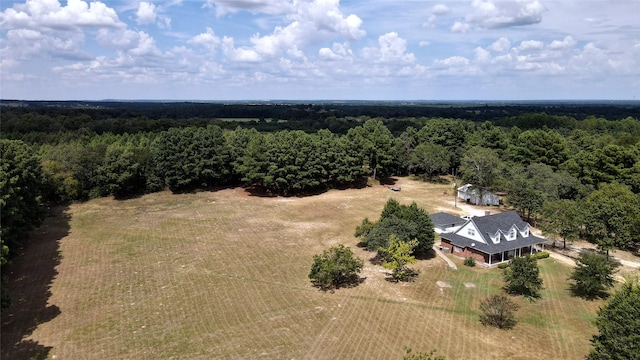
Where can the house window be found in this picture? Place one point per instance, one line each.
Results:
(471, 232)
(457, 249)
(512, 234)
(525, 233)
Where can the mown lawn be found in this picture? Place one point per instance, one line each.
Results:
(224, 275)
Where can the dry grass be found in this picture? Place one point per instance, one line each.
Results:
(224, 275)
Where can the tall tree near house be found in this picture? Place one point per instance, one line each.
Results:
(522, 277)
(397, 256)
(562, 220)
(611, 217)
(593, 275)
(618, 326)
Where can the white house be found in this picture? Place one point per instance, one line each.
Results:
(492, 239)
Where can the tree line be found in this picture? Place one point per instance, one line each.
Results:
(542, 171)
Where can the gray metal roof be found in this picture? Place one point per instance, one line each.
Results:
(446, 219)
(489, 225)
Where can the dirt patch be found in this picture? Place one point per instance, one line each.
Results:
(443, 284)
(469, 285)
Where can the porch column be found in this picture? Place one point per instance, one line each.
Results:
(490, 256)
(502, 256)
(531, 248)
(520, 251)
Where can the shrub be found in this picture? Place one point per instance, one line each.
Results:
(498, 310)
(503, 265)
(470, 261)
(542, 255)
(334, 267)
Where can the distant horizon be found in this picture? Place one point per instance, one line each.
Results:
(266, 101)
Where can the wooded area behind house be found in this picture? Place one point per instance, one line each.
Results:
(546, 158)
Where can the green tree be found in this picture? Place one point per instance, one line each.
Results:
(498, 311)
(612, 216)
(192, 157)
(562, 219)
(397, 256)
(618, 326)
(480, 166)
(539, 146)
(386, 228)
(336, 266)
(593, 275)
(407, 222)
(21, 183)
(430, 159)
(375, 142)
(522, 277)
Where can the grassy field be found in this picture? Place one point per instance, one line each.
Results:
(224, 275)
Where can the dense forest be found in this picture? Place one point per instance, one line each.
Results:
(574, 168)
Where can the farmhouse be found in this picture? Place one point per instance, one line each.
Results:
(445, 222)
(477, 195)
(492, 239)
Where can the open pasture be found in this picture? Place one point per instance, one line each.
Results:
(224, 275)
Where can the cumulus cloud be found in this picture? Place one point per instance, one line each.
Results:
(208, 39)
(337, 52)
(488, 14)
(391, 49)
(146, 13)
(437, 10)
(50, 14)
(312, 21)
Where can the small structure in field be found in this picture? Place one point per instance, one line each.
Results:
(492, 239)
(477, 195)
(445, 222)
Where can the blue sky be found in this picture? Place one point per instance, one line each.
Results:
(320, 49)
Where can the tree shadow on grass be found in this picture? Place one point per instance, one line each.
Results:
(425, 255)
(30, 275)
(578, 291)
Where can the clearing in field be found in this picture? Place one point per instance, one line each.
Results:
(224, 275)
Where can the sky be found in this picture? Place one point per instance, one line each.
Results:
(320, 50)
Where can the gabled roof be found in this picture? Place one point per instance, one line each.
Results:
(443, 218)
(490, 225)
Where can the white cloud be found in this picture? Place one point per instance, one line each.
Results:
(50, 14)
(530, 45)
(128, 43)
(263, 6)
(440, 9)
(391, 49)
(454, 61)
(460, 27)
(312, 21)
(146, 13)
(208, 40)
(501, 45)
(337, 52)
(566, 44)
(488, 14)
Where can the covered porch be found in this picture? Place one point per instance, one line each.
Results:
(504, 256)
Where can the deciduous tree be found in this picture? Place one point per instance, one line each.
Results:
(618, 325)
(498, 311)
(336, 266)
(397, 256)
(522, 277)
(593, 275)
